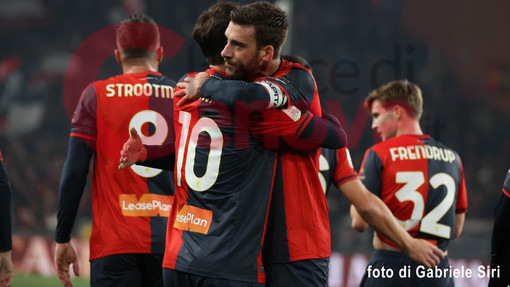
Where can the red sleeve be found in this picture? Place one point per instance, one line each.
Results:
(280, 123)
(344, 170)
(462, 202)
(84, 117)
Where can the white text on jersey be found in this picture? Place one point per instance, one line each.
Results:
(414, 152)
(146, 89)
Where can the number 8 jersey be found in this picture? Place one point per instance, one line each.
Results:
(422, 183)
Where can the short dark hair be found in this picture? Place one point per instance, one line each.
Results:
(270, 22)
(138, 36)
(209, 31)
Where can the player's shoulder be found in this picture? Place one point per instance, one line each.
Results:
(433, 142)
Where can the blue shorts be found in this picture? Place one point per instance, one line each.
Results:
(305, 273)
(390, 268)
(174, 278)
(127, 270)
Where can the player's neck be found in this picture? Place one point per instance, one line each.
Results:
(411, 127)
(139, 67)
(218, 67)
(268, 69)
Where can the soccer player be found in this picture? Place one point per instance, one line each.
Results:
(500, 251)
(419, 179)
(130, 208)
(224, 179)
(5, 227)
(297, 243)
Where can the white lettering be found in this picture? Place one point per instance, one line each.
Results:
(119, 89)
(189, 217)
(410, 152)
(138, 90)
(422, 151)
(111, 91)
(128, 90)
(147, 89)
(393, 152)
(402, 152)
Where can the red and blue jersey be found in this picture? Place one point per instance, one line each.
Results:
(130, 207)
(422, 183)
(224, 181)
(5, 209)
(335, 166)
(298, 225)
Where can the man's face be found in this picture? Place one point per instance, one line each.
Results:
(242, 58)
(384, 120)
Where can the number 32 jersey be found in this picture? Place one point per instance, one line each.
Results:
(422, 183)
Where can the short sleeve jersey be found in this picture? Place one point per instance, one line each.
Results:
(422, 183)
(335, 167)
(224, 179)
(130, 207)
(5, 209)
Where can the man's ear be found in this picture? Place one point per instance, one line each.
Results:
(267, 52)
(159, 51)
(399, 111)
(117, 56)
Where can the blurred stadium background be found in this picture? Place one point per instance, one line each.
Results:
(455, 50)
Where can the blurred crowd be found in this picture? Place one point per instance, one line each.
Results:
(353, 46)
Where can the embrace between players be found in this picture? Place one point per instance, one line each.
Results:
(242, 143)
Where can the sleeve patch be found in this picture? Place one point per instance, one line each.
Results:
(293, 113)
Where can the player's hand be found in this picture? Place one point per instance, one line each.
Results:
(65, 255)
(190, 88)
(133, 150)
(5, 269)
(425, 253)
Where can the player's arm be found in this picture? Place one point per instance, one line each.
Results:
(298, 89)
(157, 156)
(6, 267)
(298, 130)
(368, 209)
(81, 148)
(459, 224)
(461, 205)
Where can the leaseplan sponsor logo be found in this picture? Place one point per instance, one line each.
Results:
(194, 219)
(148, 205)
